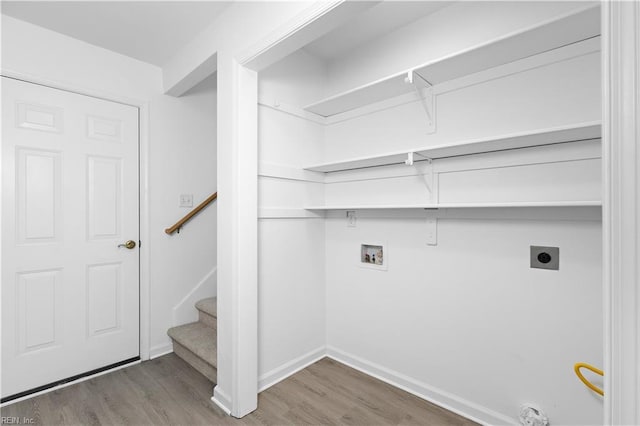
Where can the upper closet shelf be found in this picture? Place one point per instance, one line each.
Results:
(561, 31)
(582, 131)
(475, 205)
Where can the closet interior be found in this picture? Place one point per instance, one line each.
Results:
(414, 164)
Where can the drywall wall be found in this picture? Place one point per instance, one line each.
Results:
(498, 102)
(184, 164)
(182, 151)
(467, 323)
(257, 20)
(291, 290)
(454, 28)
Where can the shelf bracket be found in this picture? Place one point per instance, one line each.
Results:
(431, 227)
(411, 158)
(428, 173)
(424, 90)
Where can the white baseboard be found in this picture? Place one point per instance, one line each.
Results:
(160, 350)
(221, 400)
(451, 402)
(277, 375)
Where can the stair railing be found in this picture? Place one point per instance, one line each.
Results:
(176, 227)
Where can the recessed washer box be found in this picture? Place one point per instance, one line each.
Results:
(543, 257)
(373, 256)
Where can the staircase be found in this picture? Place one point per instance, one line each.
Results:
(196, 342)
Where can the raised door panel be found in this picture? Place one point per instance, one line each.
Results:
(39, 212)
(39, 117)
(104, 197)
(39, 309)
(104, 295)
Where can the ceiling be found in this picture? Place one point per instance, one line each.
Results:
(151, 31)
(375, 22)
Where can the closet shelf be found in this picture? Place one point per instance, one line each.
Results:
(573, 27)
(463, 205)
(573, 133)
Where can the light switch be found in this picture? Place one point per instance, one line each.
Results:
(186, 200)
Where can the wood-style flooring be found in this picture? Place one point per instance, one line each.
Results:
(167, 391)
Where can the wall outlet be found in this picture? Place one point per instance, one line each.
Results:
(186, 200)
(545, 257)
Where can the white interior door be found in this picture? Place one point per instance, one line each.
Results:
(70, 294)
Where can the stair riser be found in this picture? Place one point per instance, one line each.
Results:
(207, 319)
(195, 361)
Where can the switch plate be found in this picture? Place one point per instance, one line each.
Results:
(545, 257)
(186, 200)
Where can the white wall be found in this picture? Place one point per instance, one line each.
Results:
(182, 150)
(184, 163)
(455, 28)
(467, 322)
(291, 291)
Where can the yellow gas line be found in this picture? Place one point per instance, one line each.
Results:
(586, 382)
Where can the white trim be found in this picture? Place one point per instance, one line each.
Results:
(160, 350)
(278, 171)
(567, 213)
(74, 382)
(193, 78)
(238, 85)
(143, 128)
(145, 261)
(292, 110)
(290, 368)
(287, 213)
(185, 311)
(441, 398)
(244, 298)
(621, 212)
(299, 31)
(221, 400)
(474, 205)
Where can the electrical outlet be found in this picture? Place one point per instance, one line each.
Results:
(545, 257)
(186, 200)
(351, 218)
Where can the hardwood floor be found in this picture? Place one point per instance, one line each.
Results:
(167, 391)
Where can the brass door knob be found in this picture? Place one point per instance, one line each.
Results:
(129, 244)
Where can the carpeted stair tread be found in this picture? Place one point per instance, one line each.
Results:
(199, 339)
(208, 306)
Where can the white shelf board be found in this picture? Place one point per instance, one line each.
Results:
(463, 205)
(563, 30)
(571, 133)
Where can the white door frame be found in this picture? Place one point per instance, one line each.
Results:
(237, 389)
(621, 210)
(143, 129)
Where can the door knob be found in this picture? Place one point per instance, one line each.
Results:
(129, 244)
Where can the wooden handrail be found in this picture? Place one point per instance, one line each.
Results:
(191, 214)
